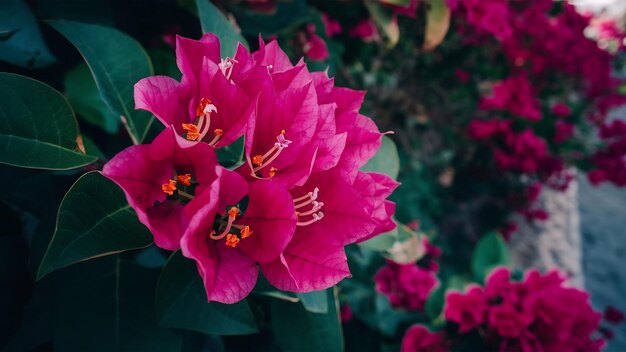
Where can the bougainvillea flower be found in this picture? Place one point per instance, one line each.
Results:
(315, 47)
(331, 214)
(419, 339)
(227, 242)
(332, 27)
(469, 310)
(167, 183)
(514, 94)
(405, 285)
(362, 137)
(206, 105)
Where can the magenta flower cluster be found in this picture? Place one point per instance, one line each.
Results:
(558, 88)
(408, 285)
(539, 313)
(297, 199)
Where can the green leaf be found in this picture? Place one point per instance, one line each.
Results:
(212, 20)
(181, 302)
(117, 62)
(91, 148)
(383, 16)
(7, 34)
(21, 42)
(315, 301)
(94, 220)
(83, 94)
(404, 3)
(386, 161)
(490, 252)
(437, 23)
(231, 156)
(434, 303)
(297, 329)
(37, 127)
(287, 17)
(108, 305)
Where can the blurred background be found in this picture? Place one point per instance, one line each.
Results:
(509, 118)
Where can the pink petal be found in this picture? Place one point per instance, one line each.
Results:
(191, 53)
(271, 217)
(362, 143)
(307, 264)
(228, 275)
(272, 54)
(141, 178)
(165, 98)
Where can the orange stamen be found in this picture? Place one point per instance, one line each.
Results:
(218, 132)
(232, 240)
(192, 131)
(246, 232)
(257, 160)
(169, 187)
(233, 212)
(272, 171)
(184, 179)
(200, 109)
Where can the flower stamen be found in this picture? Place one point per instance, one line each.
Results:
(226, 66)
(218, 132)
(169, 187)
(262, 161)
(245, 232)
(232, 215)
(316, 217)
(232, 240)
(196, 132)
(192, 131)
(309, 198)
(184, 179)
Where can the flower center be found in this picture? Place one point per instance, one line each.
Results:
(260, 162)
(233, 233)
(197, 131)
(171, 186)
(313, 212)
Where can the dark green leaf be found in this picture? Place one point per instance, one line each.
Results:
(384, 17)
(181, 303)
(83, 94)
(108, 305)
(490, 252)
(297, 329)
(164, 62)
(94, 220)
(386, 161)
(434, 303)
(117, 62)
(37, 127)
(315, 302)
(287, 17)
(7, 34)
(21, 43)
(92, 149)
(212, 20)
(231, 156)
